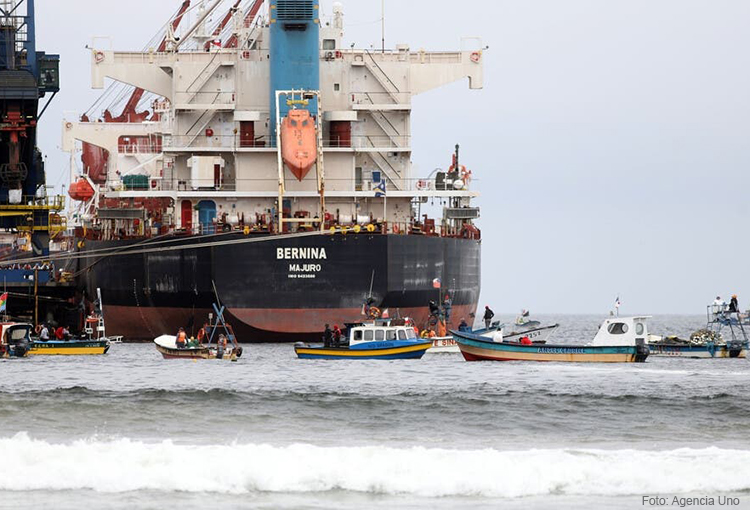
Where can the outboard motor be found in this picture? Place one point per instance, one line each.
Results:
(641, 350)
(21, 349)
(734, 349)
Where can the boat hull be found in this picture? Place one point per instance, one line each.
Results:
(69, 348)
(414, 351)
(473, 348)
(691, 351)
(201, 353)
(279, 289)
(443, 345)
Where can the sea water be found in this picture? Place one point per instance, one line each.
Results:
(131, 430)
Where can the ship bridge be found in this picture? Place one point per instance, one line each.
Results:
(210, 133)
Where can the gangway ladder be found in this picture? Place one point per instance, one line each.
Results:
(294, 98)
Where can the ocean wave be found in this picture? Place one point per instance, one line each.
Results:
(128, 465)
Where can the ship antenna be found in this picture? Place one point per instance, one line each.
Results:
(382, 23)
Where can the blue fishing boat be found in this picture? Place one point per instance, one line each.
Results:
(370, 341)
(619, 340)
(708, 342)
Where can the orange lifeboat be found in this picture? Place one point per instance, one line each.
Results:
(81, 190)
(298, 142)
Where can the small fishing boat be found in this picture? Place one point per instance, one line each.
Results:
(220, 342)
(531, 330)
(15, 340)
(619, 340)
(524, 327)
(167, 346)
(74, 346)
(675, 347)
(707, 342)
(371, 341)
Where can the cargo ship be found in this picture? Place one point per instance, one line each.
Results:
(259, 163)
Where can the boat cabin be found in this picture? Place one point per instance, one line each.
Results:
(14, 333)
(364, 333)
(625, 331)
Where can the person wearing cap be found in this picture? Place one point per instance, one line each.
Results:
(488, 315)
(733, 304)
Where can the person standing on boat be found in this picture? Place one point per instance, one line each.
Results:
(734, 306)
(221, 346)
(447, 306)
(488, 315)
(336, 336)
(719, 305)
(327, 336)
(463, 326)
(44, 333)
(181, 339)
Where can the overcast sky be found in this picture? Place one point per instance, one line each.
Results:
(611, 140)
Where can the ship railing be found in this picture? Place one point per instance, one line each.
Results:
(211, 140)
(53, 202)
(186, 98)
(380, 98)
(366, 184)
(421, 56)
(374, 226)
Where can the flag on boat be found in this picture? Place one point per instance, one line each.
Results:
(617, 302)
(386, 314)
(436, 283)
(380, 189)
(3, 301)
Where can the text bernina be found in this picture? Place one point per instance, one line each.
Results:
(300, 253)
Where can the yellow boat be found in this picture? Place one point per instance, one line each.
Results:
(69, 347)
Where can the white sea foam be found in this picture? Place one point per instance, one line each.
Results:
(129, 465)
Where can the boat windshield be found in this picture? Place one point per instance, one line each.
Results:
(17, 333)
(390, 334)
(410, 334)
(401, 334)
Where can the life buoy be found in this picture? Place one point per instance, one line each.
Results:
(374, 312)
(371, 228)
(357, 229)
(422, 184)
(476, 57)
(344, 230)
(201, 334)
(332, 230)
(99, 57)
(38, 329)
(396, 229)
(246, 230)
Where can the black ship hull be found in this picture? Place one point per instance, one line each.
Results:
(276, 288)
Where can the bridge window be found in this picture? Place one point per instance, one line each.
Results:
(401, 334)
(357, 334)
(617, 328)
(379, 334)
(368, 335)
(639, 328)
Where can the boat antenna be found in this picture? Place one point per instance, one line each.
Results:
(382, 24)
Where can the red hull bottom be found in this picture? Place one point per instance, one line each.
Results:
(251, 325)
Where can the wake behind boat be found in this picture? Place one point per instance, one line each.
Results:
(619, 340)
(370, 341)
